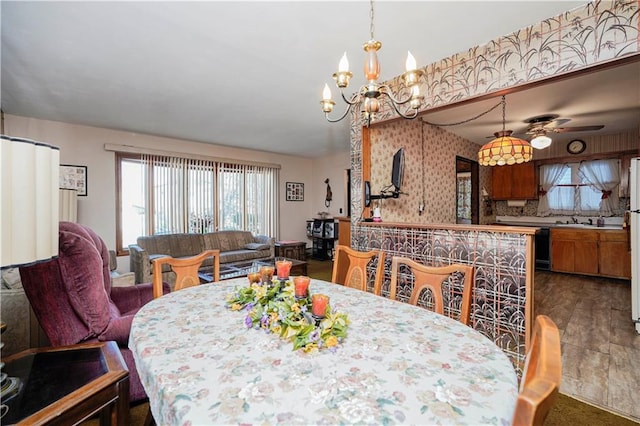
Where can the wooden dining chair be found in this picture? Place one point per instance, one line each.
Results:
(542, 374)
(350, 268)
(186, 270)
(432, 278)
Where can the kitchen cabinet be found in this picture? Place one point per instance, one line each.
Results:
(615, 256)
(516, 182)
(591, 252)
(344, 231)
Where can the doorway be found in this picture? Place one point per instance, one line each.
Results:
(467, 191)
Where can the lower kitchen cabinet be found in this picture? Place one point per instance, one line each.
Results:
(591, 252)
(615, 258)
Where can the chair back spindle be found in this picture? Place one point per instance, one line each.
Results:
(432, 278)
(186, 270)
(350, 268)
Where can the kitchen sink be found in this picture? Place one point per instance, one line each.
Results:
(586, 226)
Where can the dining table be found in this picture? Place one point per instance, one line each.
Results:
(200, 364)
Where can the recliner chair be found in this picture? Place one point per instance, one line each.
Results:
(74, 300)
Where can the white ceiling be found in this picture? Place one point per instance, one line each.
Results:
(609, 97)
(244, 74)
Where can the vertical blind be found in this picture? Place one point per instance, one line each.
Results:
(189, 195)
(247, 198)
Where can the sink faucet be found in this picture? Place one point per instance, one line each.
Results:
(590, 221)
(574, 219)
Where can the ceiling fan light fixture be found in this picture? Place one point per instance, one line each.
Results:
(541, 141)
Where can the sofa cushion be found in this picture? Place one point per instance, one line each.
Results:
(241, 255)
(257, 246)
(228, 240)
(174, 245)
(81, 265)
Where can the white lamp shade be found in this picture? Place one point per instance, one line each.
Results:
(29, 197)
(68, 205)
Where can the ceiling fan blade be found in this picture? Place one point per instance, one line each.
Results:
(560, 121)
(576, 129)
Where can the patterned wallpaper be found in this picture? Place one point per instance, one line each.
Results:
(436, 175)
(589, 35)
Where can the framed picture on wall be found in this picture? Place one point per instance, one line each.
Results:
(74, 177)
(295, 191)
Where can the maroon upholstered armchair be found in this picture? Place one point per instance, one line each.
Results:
(73, 299)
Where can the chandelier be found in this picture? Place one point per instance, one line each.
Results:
(370, 96)
(505, 149)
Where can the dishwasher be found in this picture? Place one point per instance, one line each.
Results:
(543, 249)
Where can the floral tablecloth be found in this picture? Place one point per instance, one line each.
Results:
(399, 364)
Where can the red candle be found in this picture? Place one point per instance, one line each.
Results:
(319, 304)
(283, 267)
(301, 286)
(254, 277)
(266, 272)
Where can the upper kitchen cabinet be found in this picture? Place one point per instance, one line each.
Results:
(516, 182)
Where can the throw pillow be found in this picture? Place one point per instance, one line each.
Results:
(11, 278)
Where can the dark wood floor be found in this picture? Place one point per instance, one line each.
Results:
(600, 348)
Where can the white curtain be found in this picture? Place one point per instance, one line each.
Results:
(550, 175)
(603, 176)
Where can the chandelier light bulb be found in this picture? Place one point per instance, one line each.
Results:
(410, 64)
(343, 66)
(326, 93)
(373, 96)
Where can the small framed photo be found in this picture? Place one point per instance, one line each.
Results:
(74, 177)
(295, 191)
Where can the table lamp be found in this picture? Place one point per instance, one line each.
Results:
(29, 200)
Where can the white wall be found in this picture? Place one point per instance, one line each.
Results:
(332, 167)
(84, 145)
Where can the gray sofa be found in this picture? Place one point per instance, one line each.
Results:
(234, 246)
(23, 330)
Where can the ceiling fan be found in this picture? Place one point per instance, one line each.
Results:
(540, 125)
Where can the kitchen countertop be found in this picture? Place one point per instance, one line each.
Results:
(559, 225)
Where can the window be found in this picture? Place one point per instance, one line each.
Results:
(581, 188)
(162, 195)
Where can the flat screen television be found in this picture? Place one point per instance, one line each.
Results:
(397, 171)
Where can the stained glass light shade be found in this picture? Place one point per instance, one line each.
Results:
(505, 150)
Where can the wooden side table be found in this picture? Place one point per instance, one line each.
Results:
(69, 384)
(291, 249)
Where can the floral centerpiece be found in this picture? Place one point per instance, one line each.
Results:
(275, 309)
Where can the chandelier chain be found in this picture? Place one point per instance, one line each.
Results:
(475, 117)
(371, 19)
(504, 113)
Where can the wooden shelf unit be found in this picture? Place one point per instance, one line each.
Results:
(323, 233)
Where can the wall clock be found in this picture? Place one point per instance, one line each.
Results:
(576, 146)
